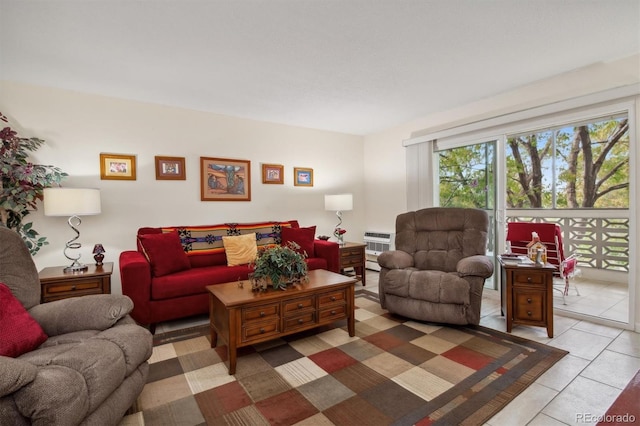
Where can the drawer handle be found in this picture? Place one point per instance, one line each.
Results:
(529, 300)
(73, 287)
(262, 313)
(261, 330)
(300, 321)
(528, 279)
(333, 312)
(300, 306)
(529, 313)
(333, 298)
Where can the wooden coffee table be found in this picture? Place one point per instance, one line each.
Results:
(242, 317)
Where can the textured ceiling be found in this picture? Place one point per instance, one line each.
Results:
(353, 66)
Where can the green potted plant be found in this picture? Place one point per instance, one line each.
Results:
(279, 265)
(22, 184)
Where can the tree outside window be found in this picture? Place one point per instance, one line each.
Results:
(580, 165)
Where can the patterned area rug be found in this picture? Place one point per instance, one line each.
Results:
(393, 372)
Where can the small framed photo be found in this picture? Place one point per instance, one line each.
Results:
(273, 173)
(225, 179)
(302, 176)
(117, 166)
(170, 168)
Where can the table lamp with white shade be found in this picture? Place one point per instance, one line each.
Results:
(72, 202)
(338, 203)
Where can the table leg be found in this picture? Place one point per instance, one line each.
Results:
(214, 335)
(351, 321)
(233, 353)
(362, 272)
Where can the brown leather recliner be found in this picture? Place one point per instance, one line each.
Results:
(438, 268)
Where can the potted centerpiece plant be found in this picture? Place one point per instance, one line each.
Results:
(278, 265)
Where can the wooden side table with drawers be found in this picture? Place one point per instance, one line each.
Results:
(56, 284)
(527, 295)
(352, 255)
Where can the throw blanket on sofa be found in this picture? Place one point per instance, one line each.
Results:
(200, 240)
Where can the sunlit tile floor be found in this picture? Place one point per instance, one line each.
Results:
(580, 387)
(598, 298)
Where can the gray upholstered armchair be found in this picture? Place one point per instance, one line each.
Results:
(438, 269)
(87, 360)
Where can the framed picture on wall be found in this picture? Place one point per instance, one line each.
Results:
(302, 176)
(273, 173)
(170, 168)
(117, 166)
(225, 179)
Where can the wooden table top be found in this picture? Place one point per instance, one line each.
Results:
(230, 294)
(57, 272)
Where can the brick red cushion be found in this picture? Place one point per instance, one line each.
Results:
(19, 332)
(302, 236)
(164, 252)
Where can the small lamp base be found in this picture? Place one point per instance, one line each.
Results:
(75, 268)
(99, 258)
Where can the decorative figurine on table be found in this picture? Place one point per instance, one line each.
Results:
(98, 254)
(339, 234)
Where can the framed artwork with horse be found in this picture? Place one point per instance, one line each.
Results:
(225, 179)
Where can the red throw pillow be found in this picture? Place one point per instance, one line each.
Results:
(19, 332)
(302, 236)
(164, 252)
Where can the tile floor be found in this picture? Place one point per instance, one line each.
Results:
(598, 298)
(582, 386)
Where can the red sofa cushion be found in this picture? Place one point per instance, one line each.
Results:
(164, 252)
(195, 280)
(19, 332)
(304, 237)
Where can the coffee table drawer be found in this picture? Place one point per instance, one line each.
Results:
(332, 298)
(260, 313)
(333, 313)
(260, 331)
(299, 321)
(296, 305)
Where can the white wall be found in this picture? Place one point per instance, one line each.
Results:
(78, 127)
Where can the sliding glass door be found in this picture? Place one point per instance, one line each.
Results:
(466, 178)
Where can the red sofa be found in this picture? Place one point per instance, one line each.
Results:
(166, 279)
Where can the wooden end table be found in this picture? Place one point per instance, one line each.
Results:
(352, 255)
(56, 284)
(241, 317)
(526, 295)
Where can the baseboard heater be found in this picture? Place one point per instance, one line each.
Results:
(377, 242)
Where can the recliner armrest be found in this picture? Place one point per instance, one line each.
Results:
(395, 259)
(15, 374)
(478, 265)
(93, 312)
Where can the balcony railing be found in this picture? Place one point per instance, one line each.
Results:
(600, 238)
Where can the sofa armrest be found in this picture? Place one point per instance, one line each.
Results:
(93, 312)
(395, 259)
(15, 374)
(135, 278)
(478, 265)
(329, 251)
